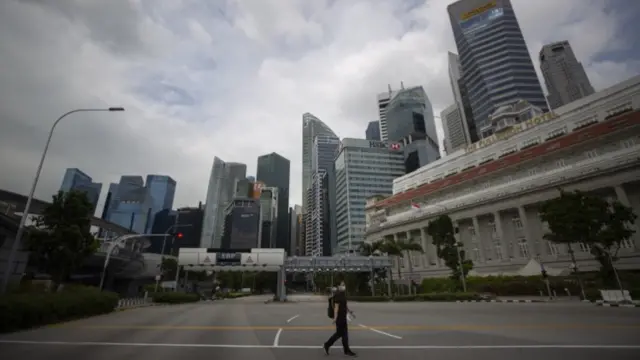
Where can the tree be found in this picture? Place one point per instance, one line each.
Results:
(575, 217)
(442, 232)
(616, 230)
(168, 267)
(60, 239)
(410, 245)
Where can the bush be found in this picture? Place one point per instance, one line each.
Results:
(174, 297)
(24, 311)
(235, 295)
(436, 296)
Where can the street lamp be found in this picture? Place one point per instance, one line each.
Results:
(27, 206)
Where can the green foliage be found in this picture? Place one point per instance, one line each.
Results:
(444, 296)
(27, 310)
(60, 241)
(174, 297)
(168, 267)
(442, 232)
(576, 217)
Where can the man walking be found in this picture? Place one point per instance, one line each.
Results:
(340, 311)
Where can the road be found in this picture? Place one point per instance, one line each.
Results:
(249, 328)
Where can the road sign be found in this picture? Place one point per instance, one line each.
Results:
(158, 277)
(249, 260)
(206, 260)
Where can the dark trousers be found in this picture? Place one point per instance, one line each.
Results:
(341, 332)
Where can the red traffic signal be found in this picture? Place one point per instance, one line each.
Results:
(179, 235)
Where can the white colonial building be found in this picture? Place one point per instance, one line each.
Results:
(493, 188)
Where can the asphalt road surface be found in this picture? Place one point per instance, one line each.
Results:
(250, 329)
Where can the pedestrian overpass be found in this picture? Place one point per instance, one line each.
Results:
(276, 260)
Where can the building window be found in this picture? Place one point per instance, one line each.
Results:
(517, 223)
(494, 229)
(592, 153)
(497, 245)
(552, 249)
(533, 171)
(524, 247)
(586, 248)
(472, 231)
(627, 143)
(560, 163)
(625, 244)
(476, 251)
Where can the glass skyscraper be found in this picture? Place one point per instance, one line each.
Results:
(495, 63)
(364, 168)
(274, 171)
(162, 190)
(311, 127)
(74, 179)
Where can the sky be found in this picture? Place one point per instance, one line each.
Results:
(232, 78)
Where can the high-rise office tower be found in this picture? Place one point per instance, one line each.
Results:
(132, 205)
(364, 168)
(563, 74)
(323, 154)
(311, 127)
(274, 171)
(383, 100)
(220, 192)
(409, 118)
(162, 190)
(268, 217)
(295, 214)
(495, 63)
(74, 179)
(465, 129)
(453, 126)
(241, 228)
(373, 131)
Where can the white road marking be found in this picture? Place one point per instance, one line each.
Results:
(276, 340)
(392, 347)
(292, 318)
(381, 332)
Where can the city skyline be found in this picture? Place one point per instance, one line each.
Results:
(197, 133)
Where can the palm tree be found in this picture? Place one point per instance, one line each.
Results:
(410, 245)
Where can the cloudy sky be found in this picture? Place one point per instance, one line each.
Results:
(232, 78)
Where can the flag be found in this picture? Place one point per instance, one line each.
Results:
(415, 206)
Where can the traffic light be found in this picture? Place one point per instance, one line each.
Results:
(179, 235)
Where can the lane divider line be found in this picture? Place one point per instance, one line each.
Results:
(276, 340)
(381, 347)
(381, 332)
(292, 318)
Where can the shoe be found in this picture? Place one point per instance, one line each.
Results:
(326, 349)
(351, 353)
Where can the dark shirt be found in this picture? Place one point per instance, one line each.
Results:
(341, 300)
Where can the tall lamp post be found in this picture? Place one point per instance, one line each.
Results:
(25, 213)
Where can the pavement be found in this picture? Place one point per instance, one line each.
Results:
(249, 328)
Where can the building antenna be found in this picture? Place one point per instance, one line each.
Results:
(402, 85)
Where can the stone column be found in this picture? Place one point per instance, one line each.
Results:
(476, 229)
(504, 244)
(425, 247)
(533, 249)
(621, 194)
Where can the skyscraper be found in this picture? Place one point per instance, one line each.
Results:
(563, 74)
(220, 192)
(74, 179)
(311, 127)
(162, 190)
(241, 228)
(132, 205)
(274, 171)
(373, 131)
(466, 123)
(453, 127)
(364, 168)
(383, 101)
(495, 63)
(325, 148)
(410, 120)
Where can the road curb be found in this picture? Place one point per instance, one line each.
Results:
(618, 305)
(502, 301)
